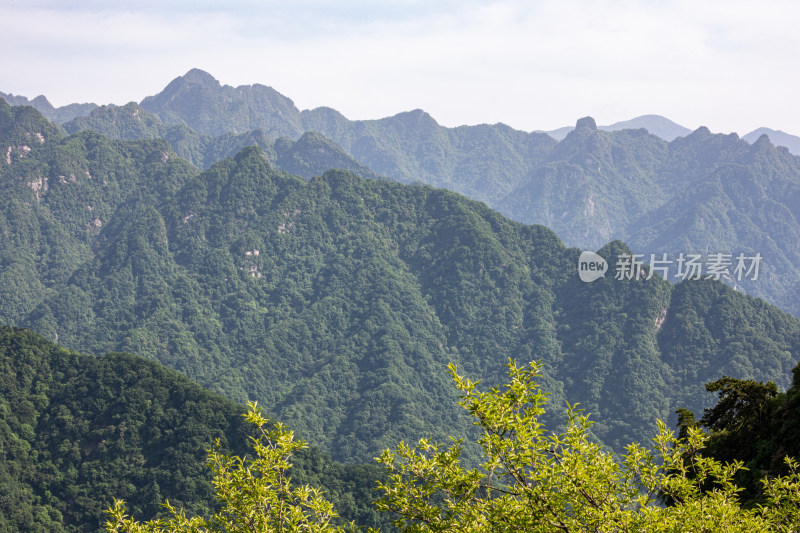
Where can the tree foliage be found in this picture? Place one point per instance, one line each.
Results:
(534, 480)
(256, 494)
(752, 422)
(530, 480)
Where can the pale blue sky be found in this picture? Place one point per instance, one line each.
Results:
(729, 65)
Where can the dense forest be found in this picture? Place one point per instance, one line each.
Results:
(337, 302)
(78, 430)
(753, 422)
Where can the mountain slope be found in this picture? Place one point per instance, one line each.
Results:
(79, 430)
(621, 184)
(484, 162)
(702, 193)
(580, 189)
(480, 161)
(655, 124)
(202, 103)
(731, 197)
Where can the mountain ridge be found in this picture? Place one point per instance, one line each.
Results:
(657, 125)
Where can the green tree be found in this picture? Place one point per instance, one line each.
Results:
(532, 480)
(256, 494)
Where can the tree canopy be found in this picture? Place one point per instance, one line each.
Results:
(531, 480)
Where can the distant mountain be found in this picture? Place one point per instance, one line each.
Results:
(481, 161)
(485, 161)
(337, 302)
(43, 106)
(778, 138)
(202, 103)
(557, 134)
(77, 431)
(311, 155)
(702, 193)
(580, 188)
(128, 122)
(655, 124)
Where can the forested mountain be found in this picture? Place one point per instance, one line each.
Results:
(699, 193)
(481, 161)
(202, 103)
(338, 302)
(755, 423)
(702, 193)
(77, 430)
(655, 124)
(310, 155)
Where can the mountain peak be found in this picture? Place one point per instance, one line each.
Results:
(201, 77)
(762, 140)
(654, 124)
(776, 137)
(702, 131)
(251, 152)
(416, 115)
(199, 101)
(41, 102)
(762, 145)
(586, 123)
(416, 119)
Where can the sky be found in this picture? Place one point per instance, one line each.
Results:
(534, 65)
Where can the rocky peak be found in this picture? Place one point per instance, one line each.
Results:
(587, 123)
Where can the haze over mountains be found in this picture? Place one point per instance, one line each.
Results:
(673, 192)
(655, 124)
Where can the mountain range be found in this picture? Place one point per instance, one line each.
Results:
(656, 124)
(676, 192)
(338, 301)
